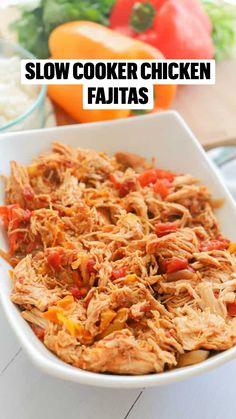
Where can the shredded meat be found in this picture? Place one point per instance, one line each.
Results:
(118, 267)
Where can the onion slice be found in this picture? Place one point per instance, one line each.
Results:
(193, 357)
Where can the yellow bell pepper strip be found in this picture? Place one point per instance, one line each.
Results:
(65, 302)
(117, 324)
(232, 248)
(88, 40)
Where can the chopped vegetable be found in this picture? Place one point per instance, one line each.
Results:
(28, 193)
(165, 174)
(175, 264)
(232, 248)
(106, 318)
(7, 214)
(115, 181)
(231, 307)
(91, 266)
(193, 357)
(165, 228)
(39, 331)
(118, 322)
(151, 176)
(220, 244)
(78, 292)
(65, 302)
(148, 177)
(119, 273)
(126, 187)
(51, 315)
(54, 259)
(162, 187)
(70, 325)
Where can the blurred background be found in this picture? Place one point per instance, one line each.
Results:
(204, 29)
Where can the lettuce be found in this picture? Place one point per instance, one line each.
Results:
(223, 18)
(34, 26)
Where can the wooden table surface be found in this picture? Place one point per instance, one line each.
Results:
(210, 111)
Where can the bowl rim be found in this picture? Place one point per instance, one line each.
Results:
(41, 95)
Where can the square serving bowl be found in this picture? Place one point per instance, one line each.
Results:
(164, 136)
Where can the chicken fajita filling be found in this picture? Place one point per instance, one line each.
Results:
(119, 266)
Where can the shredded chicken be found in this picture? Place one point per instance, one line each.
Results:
(118, 267)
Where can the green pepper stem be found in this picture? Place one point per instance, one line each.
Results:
(142, 16)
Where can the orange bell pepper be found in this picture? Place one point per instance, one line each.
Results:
(88, 40)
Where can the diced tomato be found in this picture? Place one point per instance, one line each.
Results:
(78, 292)
(26, 215)
(115, 181)
(7, 213)
(174, 265)
(145, 308)
(13, 240)
(216, 294)
(165, 174)
(162, 187)
(28, 193)
(4, 215)
(21, 280)
(119, 273)
(90, 266)
(220, 244)
(39, 331)
(77, 279)
(165, 228)
(54, 259)
(31, 246)
(13, 218)
(61, 213)
(147, 177)
(74, 291)
(124, 187)
(231, 307)
(151, 176)
(127, 186)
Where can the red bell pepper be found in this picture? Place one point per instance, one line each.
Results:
(162, 187)
(173, 265)
(165, 228)
(180, 29)
(151, 176)
(55, 259)
(119, 273)
(231, 308)
(91, 266)
(217, 244)
(78, 292)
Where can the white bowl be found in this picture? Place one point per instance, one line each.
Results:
(164, 136)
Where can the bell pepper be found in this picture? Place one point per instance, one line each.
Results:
(151, 176)
(175, 264)
(89, 40)
(165, 228)
(231, 308)
(180, 29)
(119, 273)
(215, 244)
(54, 259)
